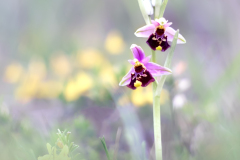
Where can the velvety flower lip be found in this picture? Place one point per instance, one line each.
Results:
(158, 43)
(143, 71)
(156, 25)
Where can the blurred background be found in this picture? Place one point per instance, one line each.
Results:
(61, 62)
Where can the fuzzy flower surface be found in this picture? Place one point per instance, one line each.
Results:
(143, 71)
(158, 34)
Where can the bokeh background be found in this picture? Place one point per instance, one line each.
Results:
(61, 62)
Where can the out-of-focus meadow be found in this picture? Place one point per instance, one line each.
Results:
(61, 62)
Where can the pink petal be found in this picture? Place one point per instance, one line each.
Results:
(146, 59)
(127, 78)
(167, 24)
(157, 70)
(131, 61)
(170, 32)
(155, 23)
(137, 52)
(145, 31)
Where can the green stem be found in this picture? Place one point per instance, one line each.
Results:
(156, 118)
(153, 56)
(157, 88)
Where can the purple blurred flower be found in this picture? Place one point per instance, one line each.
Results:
(159, 33)
(143, 71)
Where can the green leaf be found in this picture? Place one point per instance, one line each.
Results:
(157, 8)
(105, 147)
(49, 148)
(143, 10)
(64, 151)
(54, 156)
(163, 6)
(168, 62)
(172, 49)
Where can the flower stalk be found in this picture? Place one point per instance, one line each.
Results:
(157, 123)
(156, 116)
(141, 74)
(157, 88)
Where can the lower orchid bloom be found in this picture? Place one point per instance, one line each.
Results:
(143, 71)
(159, 33)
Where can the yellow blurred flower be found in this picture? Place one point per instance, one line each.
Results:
(107, 76)
(142, 96)
(33, 87)
(13, 72)
(31, 81)
(78, 85)
(37, 69)
(28, 88)
(49, 89)
(61, 65)
(138, 97)
(90, 58)
(114, 43)
(164, 96)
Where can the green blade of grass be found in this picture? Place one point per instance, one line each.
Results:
(105, 147)
(163, 6)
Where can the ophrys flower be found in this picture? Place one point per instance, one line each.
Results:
(143, 71)
(159, 33)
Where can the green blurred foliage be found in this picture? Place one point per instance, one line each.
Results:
(63, 155)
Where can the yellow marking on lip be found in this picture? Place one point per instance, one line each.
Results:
(137, 84)
(161, 27)
(137, 63)
(159, 48)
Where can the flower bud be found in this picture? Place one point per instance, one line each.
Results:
(60, 144)
(148, 7)
(153, 3)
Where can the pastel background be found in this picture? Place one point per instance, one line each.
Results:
(61, 62)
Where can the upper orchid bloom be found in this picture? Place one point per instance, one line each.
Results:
(143, 71)
(158, 33)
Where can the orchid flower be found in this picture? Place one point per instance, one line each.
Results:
(159, 33)
(143, 71)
